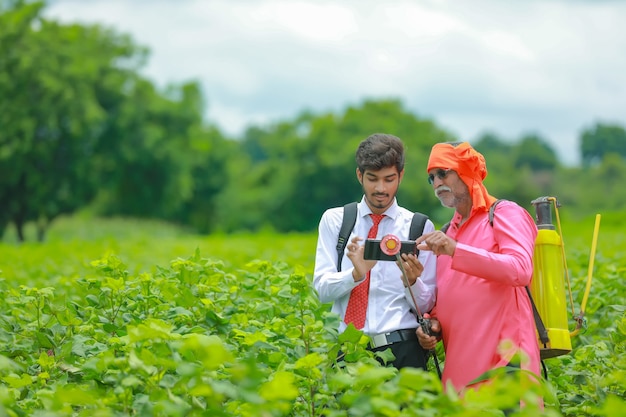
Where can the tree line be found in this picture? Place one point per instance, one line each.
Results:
(81, 128)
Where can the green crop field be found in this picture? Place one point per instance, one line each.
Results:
(126, 318)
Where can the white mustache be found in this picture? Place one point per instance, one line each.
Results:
(441, 188)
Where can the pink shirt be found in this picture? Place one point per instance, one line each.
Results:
(482, 298)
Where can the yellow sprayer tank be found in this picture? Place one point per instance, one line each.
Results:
(548, 283)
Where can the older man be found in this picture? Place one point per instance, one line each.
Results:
(483, 310)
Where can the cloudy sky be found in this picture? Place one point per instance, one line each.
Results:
(552, 67)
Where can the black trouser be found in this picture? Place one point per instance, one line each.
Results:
(408, 353)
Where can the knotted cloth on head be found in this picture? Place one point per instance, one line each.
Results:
(469, 164)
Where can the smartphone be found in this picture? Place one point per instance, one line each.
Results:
(374, 252)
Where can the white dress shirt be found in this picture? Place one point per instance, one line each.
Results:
(390, 305)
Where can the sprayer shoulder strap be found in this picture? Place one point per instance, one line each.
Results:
(541, 328)
(349, 219)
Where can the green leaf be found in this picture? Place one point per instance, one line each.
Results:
(44, 340)
(7, 364)
(280, 387)
(309, 361)
(131, 381)
(351, 335)
(15, 381)
(150, 330)
(209, 349)
(372, 375)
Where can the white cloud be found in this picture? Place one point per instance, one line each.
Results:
(550, 67)
(312, 21)
(416, 21)
(507, 44)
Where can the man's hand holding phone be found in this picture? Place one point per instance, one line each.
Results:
(361, 265)
(412, 267)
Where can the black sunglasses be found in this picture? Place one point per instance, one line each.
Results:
(440, 173)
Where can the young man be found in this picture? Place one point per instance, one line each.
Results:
(482, 309)
(387, 313)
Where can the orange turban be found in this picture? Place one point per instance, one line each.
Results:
(469, 164)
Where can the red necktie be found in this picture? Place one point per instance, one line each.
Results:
(357, 305)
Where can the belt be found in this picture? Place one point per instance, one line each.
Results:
(384, 339)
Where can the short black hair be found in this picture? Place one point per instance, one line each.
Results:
(379, 151)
